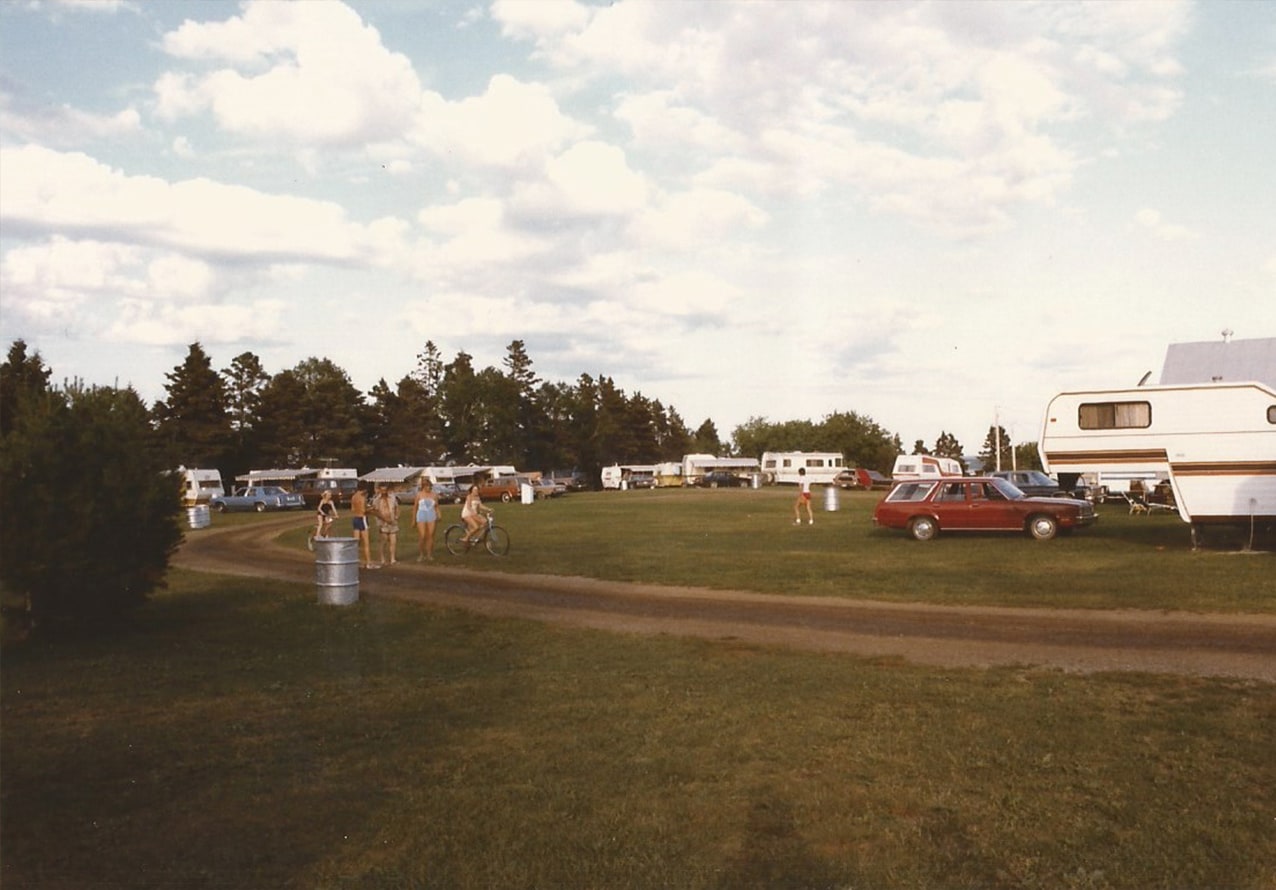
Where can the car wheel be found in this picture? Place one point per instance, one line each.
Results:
(1043, 528)
(506, 497)
(923, 528)
(261, 508)
(221, 508)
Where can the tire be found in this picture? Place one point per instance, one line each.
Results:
(506, 497)
(221, 508)
(452, 539)
(259, 507)
(923, 528)
(1043, 528)
(498, 541)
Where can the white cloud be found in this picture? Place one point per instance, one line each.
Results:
(1159, 228)
(49, 191)
(512, 123)
(328, 79)
(63, 125)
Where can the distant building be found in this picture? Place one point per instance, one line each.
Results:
(1221, 361)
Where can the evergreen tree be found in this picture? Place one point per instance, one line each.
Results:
(706, 440)
(244, 381)
(948, 446)
(194, 420)
(459, 408)
(22, 378)
(992, 458)
(87, 553)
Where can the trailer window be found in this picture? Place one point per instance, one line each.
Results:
(1271, 414)
(1115, 415)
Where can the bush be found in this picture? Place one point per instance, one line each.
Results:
(90, 507)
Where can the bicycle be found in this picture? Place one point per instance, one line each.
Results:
(493, 536)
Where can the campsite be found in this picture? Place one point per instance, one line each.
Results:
(271, 741)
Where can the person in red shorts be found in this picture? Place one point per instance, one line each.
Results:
(803, 499)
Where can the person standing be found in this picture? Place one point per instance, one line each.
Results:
(325, 516)
(359, 520)
(386, 506)
(803, 499)
(426, 507)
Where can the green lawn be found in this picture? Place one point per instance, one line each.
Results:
(239, 734)
(746, 540)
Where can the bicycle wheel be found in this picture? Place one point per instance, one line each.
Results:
(452, 539)
(498, 541)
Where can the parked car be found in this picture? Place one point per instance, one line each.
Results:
(311, 490)
(925, 507)
(862, 478)
(260, 498)
(1035, 483)
(721, 479)
(548, 488)
(503, 488)
(640, 480)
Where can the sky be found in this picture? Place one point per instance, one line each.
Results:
(936, 215)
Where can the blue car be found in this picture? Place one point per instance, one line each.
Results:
(259, 498)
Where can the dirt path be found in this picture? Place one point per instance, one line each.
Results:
(1242, 646)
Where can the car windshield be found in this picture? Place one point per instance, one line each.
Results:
(1009, 489)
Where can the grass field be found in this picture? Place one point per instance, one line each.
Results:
(241, 735)
(746, 540)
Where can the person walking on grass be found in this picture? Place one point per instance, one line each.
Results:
(359, 521)
(426, 507)
(386, 506)
(803, 499)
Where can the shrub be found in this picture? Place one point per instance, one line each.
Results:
(91, 509)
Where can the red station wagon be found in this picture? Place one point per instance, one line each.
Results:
(925, 507)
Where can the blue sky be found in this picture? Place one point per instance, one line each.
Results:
(931, 214)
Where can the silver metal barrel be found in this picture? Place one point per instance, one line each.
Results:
(830, 498)
(198, 516)
(337, 571)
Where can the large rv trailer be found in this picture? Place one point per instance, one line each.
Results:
(1214, 442)
(821, 467)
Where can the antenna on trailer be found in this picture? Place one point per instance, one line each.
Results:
(1227, 334)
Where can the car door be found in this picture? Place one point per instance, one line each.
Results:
(990, 509)
(952, 505)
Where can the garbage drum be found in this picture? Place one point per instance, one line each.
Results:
(755, 481)
(198, 516)
(527, 493)
(830, 498)
(337, 571)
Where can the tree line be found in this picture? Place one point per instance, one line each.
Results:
(449, 412)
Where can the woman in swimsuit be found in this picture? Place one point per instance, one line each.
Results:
(471, 514)
(426, 507)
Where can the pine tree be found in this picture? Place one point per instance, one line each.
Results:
(194, 419)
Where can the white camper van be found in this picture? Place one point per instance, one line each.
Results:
(924, 466)
(200, 486)
(1214, 442)
(821, 467)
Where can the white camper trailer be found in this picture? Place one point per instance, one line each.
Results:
(695, 466)
(1214, 442)
(821, 467)
(200, 486)
(924, 466)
